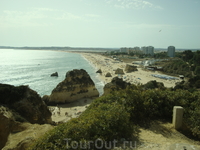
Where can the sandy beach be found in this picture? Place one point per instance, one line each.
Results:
(137, 77)
(65, 112)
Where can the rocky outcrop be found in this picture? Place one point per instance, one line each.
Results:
(24, 134)
(108, 74)
(115, 84)
(19, 106)
(119, 71)
(77, 85)
(99, 71)
(26, 102)
(7, 121)
(130, 68)
(55, 74)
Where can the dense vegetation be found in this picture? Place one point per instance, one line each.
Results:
(177, 67)
(188, 64)
(116, 116)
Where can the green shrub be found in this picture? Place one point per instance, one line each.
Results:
(114, 116)
(107, 121)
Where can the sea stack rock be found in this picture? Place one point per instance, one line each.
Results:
(55, 74)
(130, 68)
(115, 84)
(77, 85)
(119, 71)
(99, 71)
(108, 74)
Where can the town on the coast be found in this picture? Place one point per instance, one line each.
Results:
(150, 100)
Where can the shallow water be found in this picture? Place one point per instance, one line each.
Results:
(34, 67)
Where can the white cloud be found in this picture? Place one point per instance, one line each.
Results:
(20, 18)
(92, 15)
(40, 17)
(132, 4)
(68, 16)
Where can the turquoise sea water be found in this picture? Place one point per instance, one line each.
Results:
(34, 67)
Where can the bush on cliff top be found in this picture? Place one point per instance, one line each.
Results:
(113, 116)
(105, 121)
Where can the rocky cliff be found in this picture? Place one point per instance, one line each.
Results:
(24, 134)
(76, 85)
(18, 106)
(26, 102)
(15, 135)
(7, 121)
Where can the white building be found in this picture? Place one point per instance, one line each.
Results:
(124, 50)
(151, 50)
(144, 50)
(171, 51)
(148, 50)
(136, 48)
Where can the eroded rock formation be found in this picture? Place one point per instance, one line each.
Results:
(26, 102)
(130, 68)
(24, 134)
(7, 121)
(19, 106)
(119, 71)
(115, 84)
(108, 74)
(76, 85)
(99, 71)
(55, 74)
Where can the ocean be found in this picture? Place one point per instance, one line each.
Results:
(34, 67)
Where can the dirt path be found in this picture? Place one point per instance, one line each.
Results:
(162, 136)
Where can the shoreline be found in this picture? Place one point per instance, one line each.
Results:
(106, 64)
(137, 77)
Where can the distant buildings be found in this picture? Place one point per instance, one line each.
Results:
(148, 50)
(171, 51)
(137, 50)
(124, 50)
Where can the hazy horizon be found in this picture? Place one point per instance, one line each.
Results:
(100, 24)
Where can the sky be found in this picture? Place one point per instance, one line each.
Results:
(100, 23)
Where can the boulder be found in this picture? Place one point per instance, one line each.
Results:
(77, 85)
(130, 68)
(115, 84)
(119, 71)
(26, 102)
(99, 71)
(108, 74)
(55, 74)
(16, 133)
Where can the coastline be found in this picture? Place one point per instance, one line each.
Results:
(106, 64)
(137, 77)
